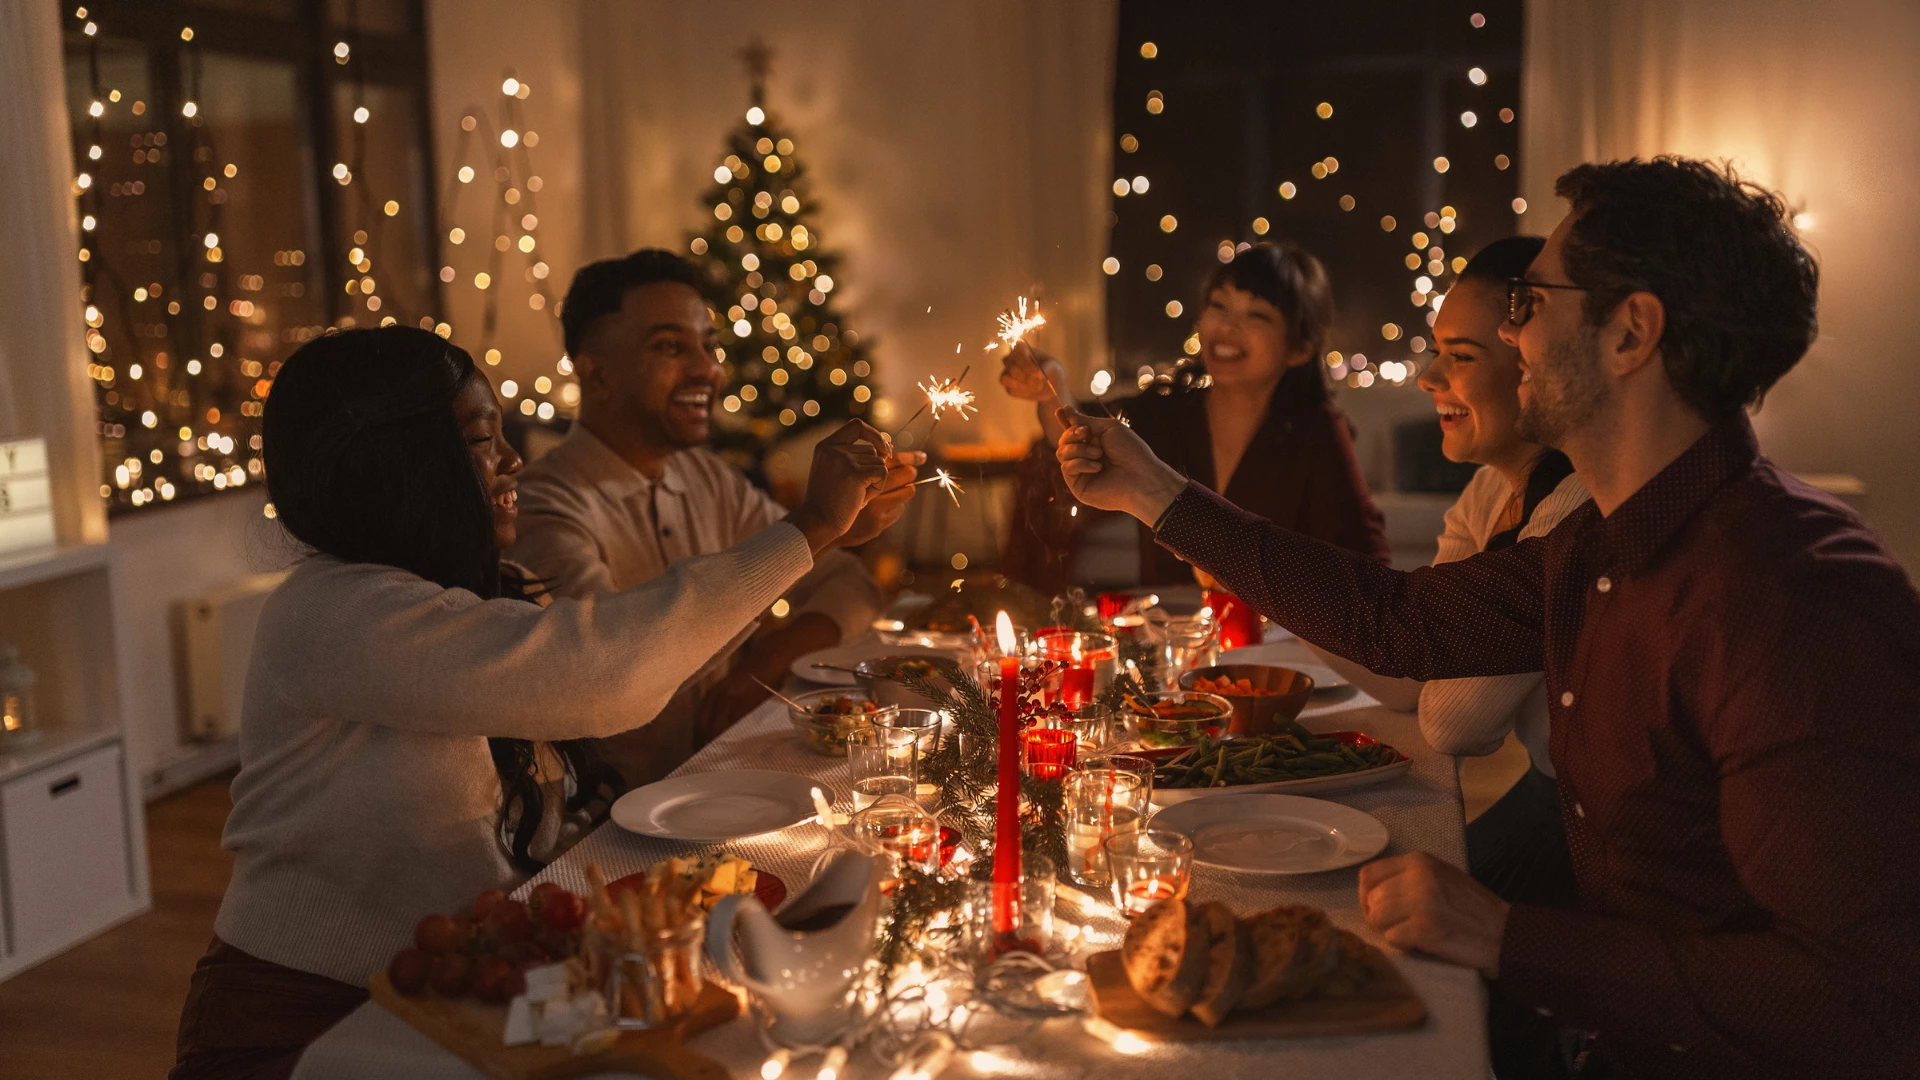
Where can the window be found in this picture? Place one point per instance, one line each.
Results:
(246, 175)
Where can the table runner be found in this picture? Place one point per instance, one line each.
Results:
(1422, 811)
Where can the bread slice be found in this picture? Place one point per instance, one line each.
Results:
(1165, 954)
(1294, 948)
(1360, 964)
(1229, 964)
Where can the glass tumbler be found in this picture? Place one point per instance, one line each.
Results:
(1098, 803)
(1145, 868)
(882, 761)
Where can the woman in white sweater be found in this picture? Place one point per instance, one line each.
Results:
(414, 731)
(1518, 847)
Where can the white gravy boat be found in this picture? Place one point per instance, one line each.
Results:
(804, 977)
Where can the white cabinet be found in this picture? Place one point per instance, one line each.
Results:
(63, 836)
(73, 857)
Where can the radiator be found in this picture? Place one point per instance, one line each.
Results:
(216, 642)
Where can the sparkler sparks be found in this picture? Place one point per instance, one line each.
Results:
(1015, 324)
(946, 395)
(947, 484)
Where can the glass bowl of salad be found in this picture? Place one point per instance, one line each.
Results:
(825, 717)
(1175, 717)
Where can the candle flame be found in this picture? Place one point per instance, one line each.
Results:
(1003, 626)
(1015, 324)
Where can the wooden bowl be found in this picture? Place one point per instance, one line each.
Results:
(1259, 714)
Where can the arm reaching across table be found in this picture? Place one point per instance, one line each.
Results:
(1480, 616)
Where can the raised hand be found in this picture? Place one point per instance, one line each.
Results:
(1032, 376)
(890, 502)
(849, 468)
(1108, 467)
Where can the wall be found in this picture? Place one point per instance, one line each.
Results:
(1816, 102)
(958, 155)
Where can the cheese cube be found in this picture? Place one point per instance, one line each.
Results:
(521, 1026)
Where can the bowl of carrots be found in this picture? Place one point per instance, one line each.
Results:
(1265, 697)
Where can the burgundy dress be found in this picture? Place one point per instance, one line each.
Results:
(1299, 472)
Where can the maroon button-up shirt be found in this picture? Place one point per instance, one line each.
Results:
(1733, 663)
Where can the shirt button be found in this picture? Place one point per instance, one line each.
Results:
(1579, 811)
(1544, 1011)
(1605, 584)
(1566, 698)
(1677, 1048)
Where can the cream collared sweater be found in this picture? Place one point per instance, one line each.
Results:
(367, 796)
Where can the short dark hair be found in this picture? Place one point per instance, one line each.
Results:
(1503, 260)
(1287, 276)
(600, 288)
(1741, 293)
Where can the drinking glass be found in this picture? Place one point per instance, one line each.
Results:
(1145, 868)
(1084, 665)
(924, 723)
(1141, 768)
(1098, 803)
(882, 761)
(902, 832)
(1191, 641)
(1093, 727)
(1046, 753)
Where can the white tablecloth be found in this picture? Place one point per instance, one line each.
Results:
(1422, 810)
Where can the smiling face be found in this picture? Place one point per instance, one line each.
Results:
(477, 412)
(1562, 385)
(1245, 341)
(1474, 379)
(650, 371)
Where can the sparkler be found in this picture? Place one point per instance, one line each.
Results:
(1015, 324)
(943, 394)
(947, 484)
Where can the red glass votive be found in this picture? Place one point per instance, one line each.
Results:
(1113, 603)
(1049, 752)
(1080, 659)
(1239, 624)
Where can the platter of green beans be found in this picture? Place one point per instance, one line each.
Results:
(1294, 761)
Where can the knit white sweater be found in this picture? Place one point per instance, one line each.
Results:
(367, 796)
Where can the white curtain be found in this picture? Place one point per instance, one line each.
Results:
(959, 156)
(44, 389)
(1814, 100)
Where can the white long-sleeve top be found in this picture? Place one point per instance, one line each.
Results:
(1471, 717)
(367, 795)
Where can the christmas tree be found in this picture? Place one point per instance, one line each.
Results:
(791, 361)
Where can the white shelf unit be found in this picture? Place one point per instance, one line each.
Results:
(73, 842)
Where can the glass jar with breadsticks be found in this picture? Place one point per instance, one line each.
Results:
(644, 944)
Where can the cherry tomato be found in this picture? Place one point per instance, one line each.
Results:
(495, 981)
(562, 911)
(438, 934)
(449, 975)
(524, 954)
(508, 921)
(485, 902)
(408, 971)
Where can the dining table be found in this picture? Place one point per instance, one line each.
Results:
(1421, 808)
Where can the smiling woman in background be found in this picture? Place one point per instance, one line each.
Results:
(414, 730)
(1260, 427)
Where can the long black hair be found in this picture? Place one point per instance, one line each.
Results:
(365, 462)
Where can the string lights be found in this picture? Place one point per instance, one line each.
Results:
(1429, 264)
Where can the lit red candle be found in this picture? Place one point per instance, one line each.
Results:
(1006, 830)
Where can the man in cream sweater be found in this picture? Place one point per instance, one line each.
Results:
(633, 489)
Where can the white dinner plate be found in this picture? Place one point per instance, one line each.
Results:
(714, 806)
(850, 653)
(1275, 834)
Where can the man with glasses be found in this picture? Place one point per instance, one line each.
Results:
(1732, 659)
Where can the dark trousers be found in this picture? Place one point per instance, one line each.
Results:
(250, 1019)
(1518, 848)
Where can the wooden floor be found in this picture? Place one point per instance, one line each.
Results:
(109, 1008)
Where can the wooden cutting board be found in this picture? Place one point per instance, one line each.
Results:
(1387, 1004)
(472, 1031)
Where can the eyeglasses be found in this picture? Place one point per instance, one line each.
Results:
(1520, 298)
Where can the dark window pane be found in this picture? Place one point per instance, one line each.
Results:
(383, 205)
(369, 16)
